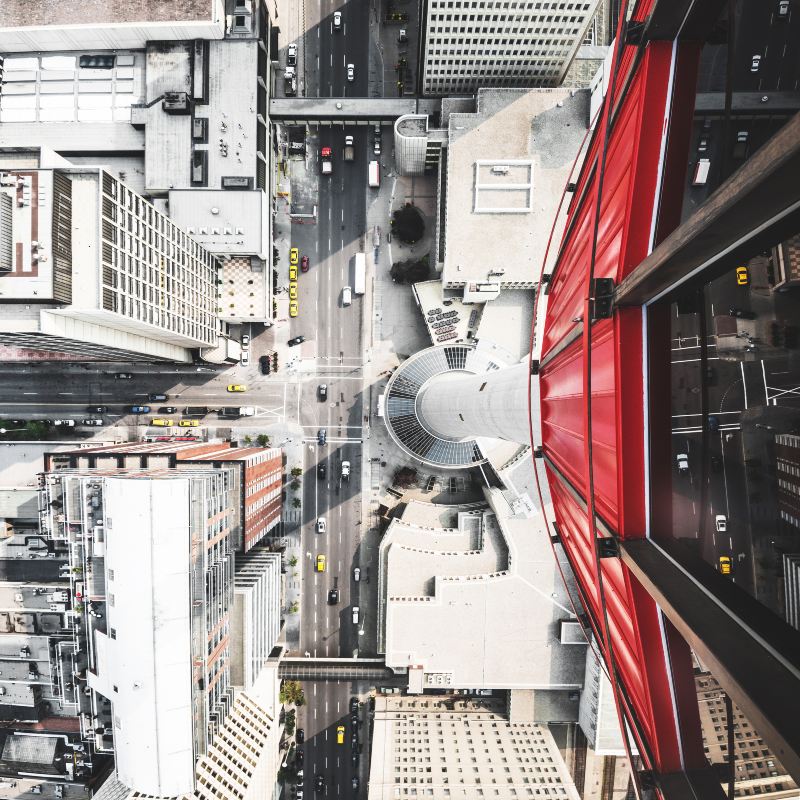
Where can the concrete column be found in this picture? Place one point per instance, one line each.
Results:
(494, 404)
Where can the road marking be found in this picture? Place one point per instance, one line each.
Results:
(30, 393)
(338, 706)
(315, 685)
(744, 383)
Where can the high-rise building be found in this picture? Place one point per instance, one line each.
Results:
(453, 746)
(97, 271)
(468, 45)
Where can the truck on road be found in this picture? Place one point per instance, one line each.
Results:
(326, 160)
(290, 82)
(360, 277)
(236, 411)
(349, 150)
(374, 173)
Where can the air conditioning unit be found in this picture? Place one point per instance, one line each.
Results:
(176, 103)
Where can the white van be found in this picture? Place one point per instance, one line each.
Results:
(347, 296)
(355, 615)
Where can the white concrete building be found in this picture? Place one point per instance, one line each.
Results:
(453, 748)
(96, 269)
(468, 45)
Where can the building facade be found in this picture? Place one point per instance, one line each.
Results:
(469, 45)
(97, 270)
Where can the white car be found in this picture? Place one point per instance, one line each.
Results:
(322, 525)
(345, 469)
(355, 615)
(351, 73)
(245, 340)
(64, 423)
(357, 574)
(245, 359)
(683, 462)
(291, 55)
(721, 523)
(337, 19)
(755, 63)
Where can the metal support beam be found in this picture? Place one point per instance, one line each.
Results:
(757, 206)
(753, 654)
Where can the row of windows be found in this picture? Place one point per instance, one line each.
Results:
(556, 33)
(511, 5)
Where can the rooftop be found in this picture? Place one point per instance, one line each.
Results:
(507, 166)
(32, 13)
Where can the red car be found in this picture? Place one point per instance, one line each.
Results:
(304, 264)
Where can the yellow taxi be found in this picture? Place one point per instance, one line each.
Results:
(189, 423)
(340, 735)
(237, 387)
(162, 423)
(320, 563)
(293, 308)
(294, 256)
(725, 565)
(292, 273)
(292, 290)
(742, 276)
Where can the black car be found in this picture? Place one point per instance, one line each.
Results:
(741, 313)
(355, 782)
(713, 423)
(155, 397)
(97, 409)
(167, 410)
(354, 740)
(322, 470)
(296, 340)
(322, 436)
(355, 759)
(319, 783)
(323, 391)
(353, 705)
(333, 597)
(300, 736)
(123, 376)
(298, 758)
(354, 719)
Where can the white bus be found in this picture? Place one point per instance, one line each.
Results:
(374, 174)
(701, 172)
(360, 277)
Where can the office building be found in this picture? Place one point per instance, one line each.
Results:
(469, 45)
(257, 475)
(455, 746)
(172, 99)
(97, 271)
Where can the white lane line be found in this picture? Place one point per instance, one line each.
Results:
(315, 713)
(331, 59)
(326, 708)
(342, 214)
(65, 394)
(315, 685)
(764, 375)
(338, 706)
(744, 384)
(30, 393)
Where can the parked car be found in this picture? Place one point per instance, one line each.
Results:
(296, 340)
(353, 704)
(355, 782)
(294, 308)
(139, 409)
(162, 422)
(322, 525)
(189, 423)
(291, 55)
(333, 597)
(123, 376)
(64, 423)
(245, 358)
(245, 340)
(300, 736)
(156, 398)
(97, 409)
(92, 422)
(294, 256)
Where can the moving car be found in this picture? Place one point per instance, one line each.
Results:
(97, 409)
(237, 387)
(94, 422)
(713, 422)
(376, 147)
(340, 734)
(300, 736)
(357, 574)
(293, 290)
(721, 523)
(337, 20)
(319, 783)
(304, 264)
(140, 409)
(64, 423)
(293, 308)
(333, 597)
(160, 422)
(322, 471)
(322, 525)
(355, 615)
(783, 8)
(294, 256)
(742, 276)
(291, 55)
(320, 563)
(296, 340)
(323, 391)
(123, 376)
(156, 398)
(683, 462)
(347, 296)
(167, 410)
(725, 565)
(189, 423)
(755, 63)
(353, 705)
(322, 436)
(345, 470)
(355, 782)
(351, 73)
